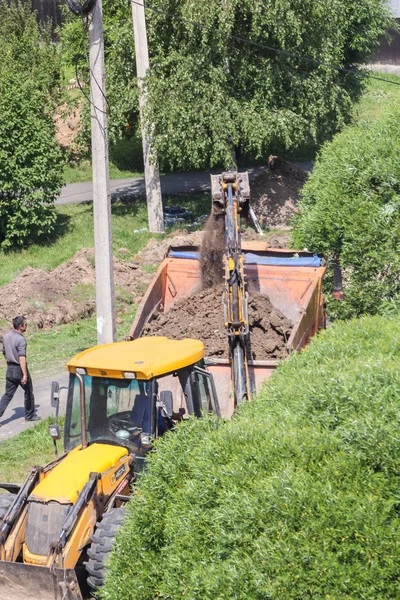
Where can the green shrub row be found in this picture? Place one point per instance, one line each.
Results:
(296, 497)
(350, 207)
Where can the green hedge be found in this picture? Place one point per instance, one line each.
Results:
(296, 497)
(350, 207)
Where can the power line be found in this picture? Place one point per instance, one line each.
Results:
(83, 10)
(265, 46)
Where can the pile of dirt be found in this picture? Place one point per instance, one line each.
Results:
(68, 124)
(67, 293)
(275, 193)
(200, 316)
(155, 250)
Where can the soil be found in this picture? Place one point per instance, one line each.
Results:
(68, 125)
(201, 317)
(49, 298)
(155, 250)
(275, 193)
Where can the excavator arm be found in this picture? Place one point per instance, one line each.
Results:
(230, 195)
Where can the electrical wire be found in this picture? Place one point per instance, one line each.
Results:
(81, 9)
(264, 46)
(91, 72)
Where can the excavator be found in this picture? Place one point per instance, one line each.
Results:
(66, 514)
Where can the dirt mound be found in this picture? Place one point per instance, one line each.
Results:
(68, 125)
(201, 317)
(155, 250)
(275, 193)
(67, 293)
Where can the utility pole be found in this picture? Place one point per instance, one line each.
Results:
(105, 297)
(151, 172)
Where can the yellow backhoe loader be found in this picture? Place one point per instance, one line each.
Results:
(120, 397)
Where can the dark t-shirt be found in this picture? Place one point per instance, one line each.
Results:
(14, 346)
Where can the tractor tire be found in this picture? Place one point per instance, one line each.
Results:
(5, 502)
(100, 549)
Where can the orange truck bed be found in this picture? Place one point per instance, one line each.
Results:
(292, 281)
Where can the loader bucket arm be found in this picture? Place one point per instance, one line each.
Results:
(20, 581)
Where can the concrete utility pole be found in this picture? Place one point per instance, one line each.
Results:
(105, 297)
(151, 172)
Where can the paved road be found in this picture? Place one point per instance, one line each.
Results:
(13, 421)
(176, 183)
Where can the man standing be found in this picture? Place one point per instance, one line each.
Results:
(14, 349)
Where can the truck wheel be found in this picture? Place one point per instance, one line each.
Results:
(5, 502)
(102, 542)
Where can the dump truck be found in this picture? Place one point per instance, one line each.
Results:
(292, 280)
(66, 514)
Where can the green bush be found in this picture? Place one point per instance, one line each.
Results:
(30, 165)
(297, 497)
(350, 208)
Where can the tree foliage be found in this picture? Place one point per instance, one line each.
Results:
(350, 208)
(121, 84)
(30, 166)
(210, 93)
(296, 497)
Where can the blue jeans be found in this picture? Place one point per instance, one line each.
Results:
(13, 380)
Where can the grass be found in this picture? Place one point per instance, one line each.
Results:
(376, 96)
(49, 350)
(74, 231)
(82, 171)
(31, 447)
(125, 161)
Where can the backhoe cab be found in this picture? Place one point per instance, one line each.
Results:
(120, 397)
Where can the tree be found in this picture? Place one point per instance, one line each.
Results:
(121, 84)
(30, 165)
(350, 208)
(210, 94)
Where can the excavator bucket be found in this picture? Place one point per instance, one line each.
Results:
(19, 581)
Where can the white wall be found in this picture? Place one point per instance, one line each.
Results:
(395, 4)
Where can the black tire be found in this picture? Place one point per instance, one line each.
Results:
(5, 502)
(100, 549)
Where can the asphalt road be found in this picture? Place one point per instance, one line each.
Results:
(13, 421)
(175, 183)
